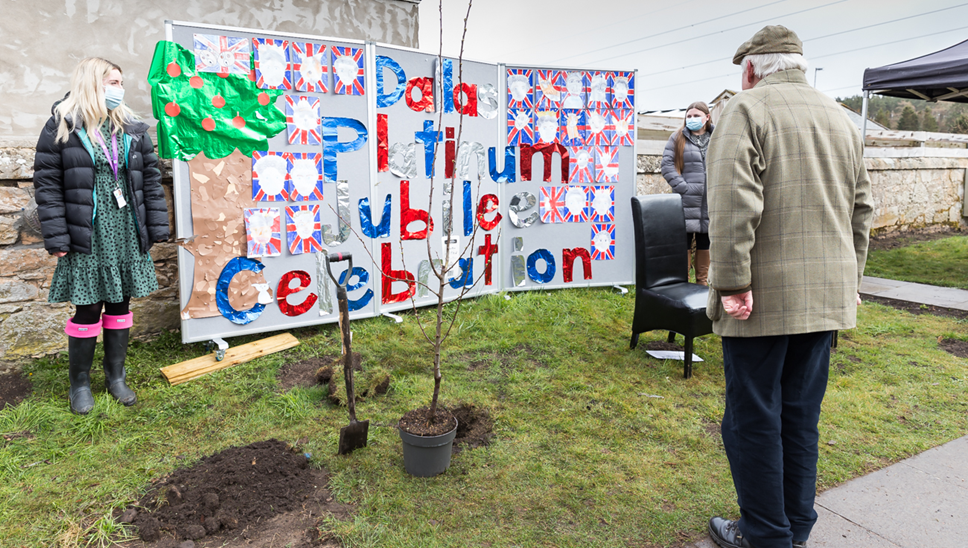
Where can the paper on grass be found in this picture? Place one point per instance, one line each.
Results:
(671, 355)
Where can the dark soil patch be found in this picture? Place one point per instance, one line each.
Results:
(955, 347)
(918, 308)
(14, 388)
(897, 240)
(415, 422)
(663, 345)
(301, 373)
(474, 428)
(263, 494)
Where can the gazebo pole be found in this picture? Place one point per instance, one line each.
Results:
(863, 114)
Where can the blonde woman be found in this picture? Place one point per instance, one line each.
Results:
(101, 207)
(684, 168)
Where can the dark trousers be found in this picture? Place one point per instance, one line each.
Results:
(774, 388)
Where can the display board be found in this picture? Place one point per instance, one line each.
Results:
(290, 147)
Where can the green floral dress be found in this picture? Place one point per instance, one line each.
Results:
(116, 267)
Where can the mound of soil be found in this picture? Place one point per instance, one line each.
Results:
(256, 495)
(301, 373)
(664, 345)
(474, 428)
(955, 347)
(14, 388)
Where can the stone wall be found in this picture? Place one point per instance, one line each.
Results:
(29, 326)
(35, 71)
(909, 192)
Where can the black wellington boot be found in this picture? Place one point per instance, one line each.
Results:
(80, 354)
(115, 350)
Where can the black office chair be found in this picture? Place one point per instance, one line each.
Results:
(664, 299)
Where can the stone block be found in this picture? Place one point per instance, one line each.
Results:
(9, 229)
(14, 291)
(16, 163)
(35, 330)
(13, 199)
(26, 262)
(153, 315)
(164, 252)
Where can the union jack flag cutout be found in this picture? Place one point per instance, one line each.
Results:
(601, 204)
(622, 85)
(520, 88)
(520, 127)
(572, 89)
(603, 241)
(305, 180)
(545, 126)
(221, 54)
(601, 130)
(272, 64)
(310, 67)
(581, 165)
(606, 164)
(270, 176)
(624, 123)
(262, 232)
(552, 205)
(598, 90)
(576, 204)
(302, 120)
(574, 127)
(303, 229)
(548, 86)
(347, 70)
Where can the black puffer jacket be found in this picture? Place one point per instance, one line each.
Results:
(691, 183)
(64, 188)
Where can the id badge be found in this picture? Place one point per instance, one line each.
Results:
(119, 196)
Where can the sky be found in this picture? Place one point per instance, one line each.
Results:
(683, 50)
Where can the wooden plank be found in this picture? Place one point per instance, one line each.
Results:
(194, 368)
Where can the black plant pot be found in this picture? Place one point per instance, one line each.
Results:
(426, 456)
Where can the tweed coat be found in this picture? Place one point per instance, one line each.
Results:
(790, 210)
(691, 183)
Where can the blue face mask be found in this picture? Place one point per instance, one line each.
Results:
(695, 124)
(113, 97)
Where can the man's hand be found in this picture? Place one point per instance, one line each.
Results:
(739, 306)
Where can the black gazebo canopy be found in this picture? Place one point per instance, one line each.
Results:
(938, 76)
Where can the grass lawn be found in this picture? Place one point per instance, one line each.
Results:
(595, 445)
(941, 262)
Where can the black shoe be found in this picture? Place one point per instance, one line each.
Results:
(799, 544)
(727, 534)
(115, 350)
(80, 354)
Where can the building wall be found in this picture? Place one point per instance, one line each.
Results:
(44, 39)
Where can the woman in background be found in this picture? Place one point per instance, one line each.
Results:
(684, 168)
(101, 207)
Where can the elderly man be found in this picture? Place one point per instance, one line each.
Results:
(789, 218)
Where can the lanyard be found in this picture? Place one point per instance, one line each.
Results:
(112, 158)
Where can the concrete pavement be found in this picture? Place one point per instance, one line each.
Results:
(919, 502)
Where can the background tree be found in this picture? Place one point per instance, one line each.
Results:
(928, 121)
(959, 124)
(909, 120)
(883, 118)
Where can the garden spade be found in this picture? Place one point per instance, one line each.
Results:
(352, 436)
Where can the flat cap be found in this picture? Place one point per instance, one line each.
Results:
(770, 39)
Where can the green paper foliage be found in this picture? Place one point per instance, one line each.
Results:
(207, 112)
